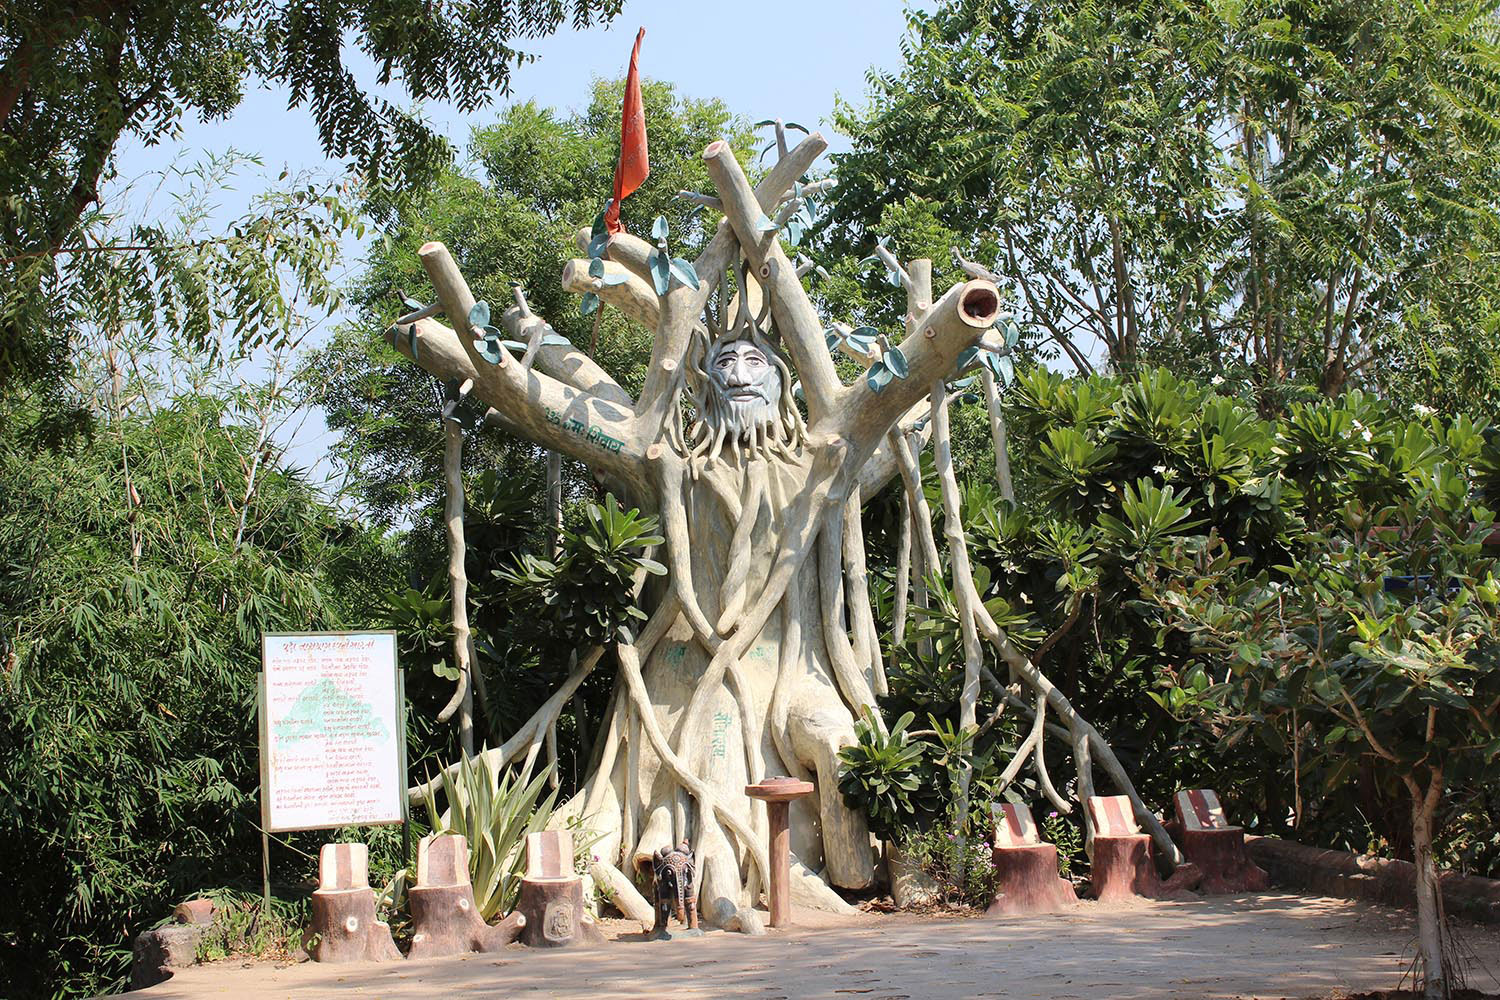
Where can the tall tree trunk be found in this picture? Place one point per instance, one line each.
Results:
(1431, 932)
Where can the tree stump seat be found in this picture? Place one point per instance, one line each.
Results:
(551, 901)
(343, 926)
(1123, 867)
(445, 918)
(1026, 879)
(1215, 847)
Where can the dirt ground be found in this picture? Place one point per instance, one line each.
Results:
(1267, 946)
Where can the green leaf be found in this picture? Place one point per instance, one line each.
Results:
(683, 272)
(661, 271)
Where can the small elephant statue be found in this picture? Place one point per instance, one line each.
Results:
(672, 867)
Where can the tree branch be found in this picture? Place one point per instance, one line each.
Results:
(797, 321)
(579, 424)
(863, 416)
(633, 296)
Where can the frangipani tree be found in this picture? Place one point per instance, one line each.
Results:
(760, 649)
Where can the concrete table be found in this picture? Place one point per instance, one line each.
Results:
(777, 794)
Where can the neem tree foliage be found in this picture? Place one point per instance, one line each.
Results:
(760, 647)
(76, 78)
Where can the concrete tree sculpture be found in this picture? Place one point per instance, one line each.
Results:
(761, 648)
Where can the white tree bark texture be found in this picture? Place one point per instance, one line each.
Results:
(760, 649)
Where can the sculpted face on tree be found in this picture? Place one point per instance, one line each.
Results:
(747, 383)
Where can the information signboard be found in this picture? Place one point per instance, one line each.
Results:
(332, 739)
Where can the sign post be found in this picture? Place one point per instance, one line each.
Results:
(332, 732)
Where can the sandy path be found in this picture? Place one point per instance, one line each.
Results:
(1234, 946)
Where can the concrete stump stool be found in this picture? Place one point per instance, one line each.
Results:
(551, 901)
(777, 794)
(1217, 848)
(343, 927)
(1026, 879)
(445, 919)
(1122, 863)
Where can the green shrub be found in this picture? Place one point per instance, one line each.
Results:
(882, 775)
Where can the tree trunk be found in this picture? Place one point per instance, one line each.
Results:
(1431, 932)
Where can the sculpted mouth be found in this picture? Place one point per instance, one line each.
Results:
(746, 394)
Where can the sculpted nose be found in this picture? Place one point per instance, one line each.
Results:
(738, 375)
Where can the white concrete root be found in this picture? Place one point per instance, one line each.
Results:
(530, 737)
(974, 618)
(713, 813)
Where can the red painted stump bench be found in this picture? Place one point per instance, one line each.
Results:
(1217, 848)
(1026, 879)
(1122, 864)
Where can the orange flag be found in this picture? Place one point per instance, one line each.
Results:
(633, 168)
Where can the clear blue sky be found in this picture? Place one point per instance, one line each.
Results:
(777, 58)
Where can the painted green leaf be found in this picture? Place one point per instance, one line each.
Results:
(661, 271)
(966, 358)
(588, 305)
(895, 360)
(1002, 365)
(554, 339)
(659, 228)
(596, 267)
(479, 314)
(879, 376)
(411, 304)
(614, 277)
(862, 339)
(489, 350)
(763, 224)
(684, 272)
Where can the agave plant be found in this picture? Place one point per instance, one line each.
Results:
(494, 812)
